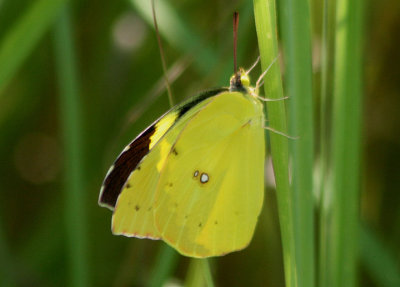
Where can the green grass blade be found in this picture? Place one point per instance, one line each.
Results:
(325, 187)
(296, 39)
(378, 260)
(207, 273)
(346, 141)
(76, 227)
(22, 38)
(264, 12)
(165, 265)
(199, 273)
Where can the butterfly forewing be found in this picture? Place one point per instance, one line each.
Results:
(210, 189)
(130, 157)
(133, 153)
(134, 211)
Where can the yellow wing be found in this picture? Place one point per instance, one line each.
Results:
(210, 191)
(133, 214)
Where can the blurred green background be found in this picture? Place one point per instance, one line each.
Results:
(96, 64)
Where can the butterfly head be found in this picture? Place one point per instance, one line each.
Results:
(240, 81)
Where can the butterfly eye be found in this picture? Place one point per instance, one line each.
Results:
(245, 79)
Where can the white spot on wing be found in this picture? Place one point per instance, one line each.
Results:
(204, 178)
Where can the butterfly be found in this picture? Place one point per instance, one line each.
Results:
(195, 177)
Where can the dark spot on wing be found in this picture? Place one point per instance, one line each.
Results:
(174, 151)
(124, 165)
(215, 222)
(200, 224)
(128, 185)
(137, 207)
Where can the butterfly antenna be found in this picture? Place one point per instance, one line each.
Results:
(235, 30)
(164, 65)
(265, 72)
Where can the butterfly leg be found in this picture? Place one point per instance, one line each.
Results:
(280, 133)
(260, 82)
(270, 100)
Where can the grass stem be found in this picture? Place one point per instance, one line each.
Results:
(296, 42)
(74, 190)
(346, 137)
(265, 18)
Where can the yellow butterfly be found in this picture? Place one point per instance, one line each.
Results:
(195, 177)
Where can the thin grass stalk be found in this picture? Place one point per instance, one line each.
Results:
(265, 18)
(346, 141)
(167, 258)
(74, 190)
(296, 40)
(178, 33)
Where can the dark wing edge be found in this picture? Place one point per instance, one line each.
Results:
(135, 151)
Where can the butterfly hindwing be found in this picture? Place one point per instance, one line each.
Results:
(210, 189)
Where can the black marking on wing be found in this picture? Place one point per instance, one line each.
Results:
(128, 161)
(194, 101)
(123, 167)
